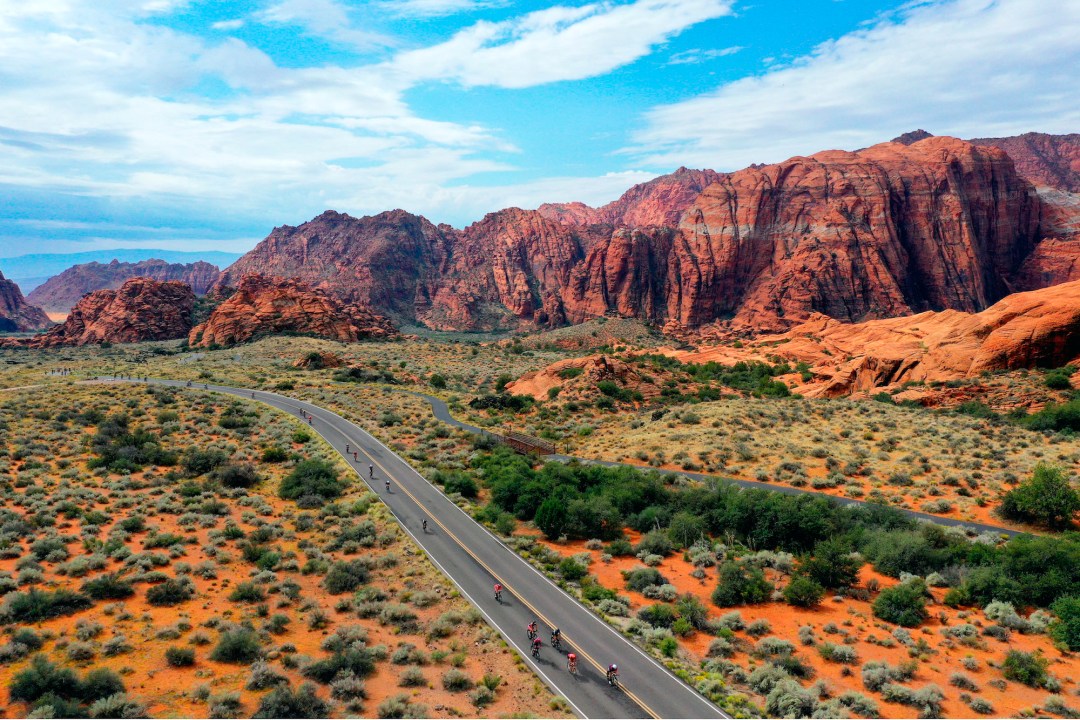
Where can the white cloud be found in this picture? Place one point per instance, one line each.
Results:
(225, 25)
(558, 43)
(437, 8)
(965, 67)
(323, 18)
(699, 55)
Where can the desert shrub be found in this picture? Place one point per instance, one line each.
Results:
(644, 577)
(455, 681)
(240, 647)
(274, 454)
(859, 704)
(197, 461)
(100, 683)
(80, 651)
(358, 660)
(312, 477)
(118, 705)
(263, 676)
(1047, 499)
(412, 676)
(400, 706)
(236, 475)
(904, 604)
(804, 591)
(247, 592)
(347, 687)
(43, 678)
(876, 674)
(927, 699)
(962, 681)
(832, 565)
(180, 656)
(36, 605)
(1058, 380)
(572, 570)
(658, 615)
(654, 543)
(981, 706)
(1026, 668)
(346, 576)
(108, 587)
(171, 592)
(283, 702)
(741, 584)
(788, 699)
(838, 653)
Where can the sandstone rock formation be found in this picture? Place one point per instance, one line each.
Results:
(580, 376)
(140, 309)
(1040, 328)
(319, 361)
(16, 314)
(265, 306)
(1045, 160)
(60, 293)
(890, 230)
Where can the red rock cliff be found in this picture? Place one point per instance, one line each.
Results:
(16, 314)
(60, 293)
(140, 309)
(265, 306)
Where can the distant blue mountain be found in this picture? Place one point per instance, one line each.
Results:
(29, 271)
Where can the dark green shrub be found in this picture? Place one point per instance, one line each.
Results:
(1066, 628)
(37, 605)
(180, 656)
(741, 584)
(100, 683)
(803, 591)
(108, 587)
(41, 678)
(1026, 668)
(247, 592)
(904, 604)
(199, 462)
(312, 477)
(171, 592)
(1046, 499)
(283, 702)
(358, 660)
(236, 475)
(572, 570)
(658, 615)
(642, 578)
(240, 647)
(655, 543)
(274, 454)
(345, 577)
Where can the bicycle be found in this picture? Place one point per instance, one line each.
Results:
(536, 650)
(498, 596)
(571, 665)
(556, 642)
(613, 679)
(532, 635)
(387, 486)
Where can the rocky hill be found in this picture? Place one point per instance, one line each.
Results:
(263, 305)
(60, 292)
(1046, 160)
(890, 230)
(16, 314)
(140, 309)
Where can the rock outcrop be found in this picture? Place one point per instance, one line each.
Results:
(1045, 160)
(264, 305)
(59, 293)
(1025, 330)
(140, 309)
(577, 377)
(890, 230)
(16, 314)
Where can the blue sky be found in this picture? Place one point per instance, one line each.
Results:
(201, 124)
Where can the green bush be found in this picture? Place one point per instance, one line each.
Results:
(42, 678)
(803, 591)
(108, 587)
(572, 570)
(741, 584)
(283, 702)
(171, 592)
(904, 604)
(1066, 627)
(1047, 499)
(1026, 668)
(312, 477)
(832, 565)
(236, 475)
(1058, 380)
(658, 615)
(437, 381)
(345, 577)
(180, 656)
(274, 454)
(240, 647)
(247, 592)
(642, 578)
(199, 462)
(37, 605)
(358, 660)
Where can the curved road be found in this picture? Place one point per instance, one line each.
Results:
(441, 412)
(474, 559)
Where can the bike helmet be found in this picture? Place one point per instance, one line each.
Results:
(614, 666)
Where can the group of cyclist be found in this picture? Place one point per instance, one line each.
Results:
(556, 642)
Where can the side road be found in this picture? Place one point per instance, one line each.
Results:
(441, 412)
(474, 559)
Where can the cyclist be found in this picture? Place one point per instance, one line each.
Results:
(387, 484)
(613, 674)
(498, 592)
(347, 448)
(532, 630)
(556, 638)
(425, 524)
(571, 663)
(371, 471)
(356, 456)
(536, 647)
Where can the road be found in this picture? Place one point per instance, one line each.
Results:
(441, 412)
(474, 559)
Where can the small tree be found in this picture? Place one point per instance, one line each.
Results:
(741, 584)
(685, 528)
(551, 518)
(1046, 499)
(312, 477)
(1066, 629)
(832, 565)
(1026, 668)
(803, 591)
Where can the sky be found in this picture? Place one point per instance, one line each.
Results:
(202, 124)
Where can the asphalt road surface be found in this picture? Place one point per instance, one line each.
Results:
(442, 412)
(474, 559)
